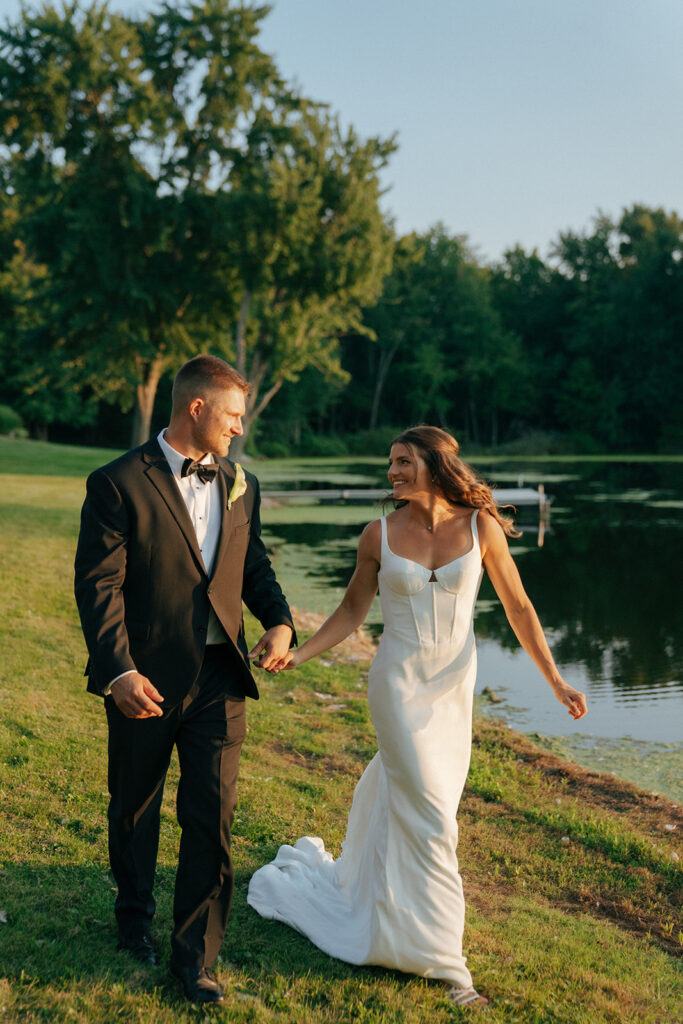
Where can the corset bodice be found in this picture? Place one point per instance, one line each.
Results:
(429, 607)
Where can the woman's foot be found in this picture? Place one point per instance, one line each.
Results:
(467, 997)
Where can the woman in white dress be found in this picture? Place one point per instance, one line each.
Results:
(394, 897)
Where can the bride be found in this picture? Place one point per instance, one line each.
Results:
(394, 897)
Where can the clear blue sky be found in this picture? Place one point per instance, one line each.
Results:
(516, 119)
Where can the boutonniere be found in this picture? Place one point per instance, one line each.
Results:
(239, 486)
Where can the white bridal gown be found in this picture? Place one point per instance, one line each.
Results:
(394, 897)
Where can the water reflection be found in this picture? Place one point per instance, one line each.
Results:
(608, 589)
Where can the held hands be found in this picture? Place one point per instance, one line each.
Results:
(573, 699)
(272, 650)
(292, 659)
(136, 697)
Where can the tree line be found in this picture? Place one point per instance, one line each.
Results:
(166, 192)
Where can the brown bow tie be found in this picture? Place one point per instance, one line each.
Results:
(205, 471)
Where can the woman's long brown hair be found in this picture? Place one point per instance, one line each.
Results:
(458, 481)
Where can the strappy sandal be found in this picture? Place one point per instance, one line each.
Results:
(467, 997)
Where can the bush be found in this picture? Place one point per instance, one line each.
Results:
(671, 441)
(273, 449)
(11, 422)
(322, 444)
(586, 444)
(539, 442)
(372, 442)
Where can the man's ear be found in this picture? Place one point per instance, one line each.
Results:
(195, 407)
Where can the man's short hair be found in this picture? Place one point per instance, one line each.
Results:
(203, 374)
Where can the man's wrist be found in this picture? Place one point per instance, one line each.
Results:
(107, 690)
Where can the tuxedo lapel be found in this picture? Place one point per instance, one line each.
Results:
(159, 474)
(226, 478)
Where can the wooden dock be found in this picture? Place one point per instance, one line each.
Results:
(518, 496)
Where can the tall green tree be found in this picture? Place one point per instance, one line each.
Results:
(182, 197)
(311, 247)
(44, 387)
(589, 402)
(114, 128)
(624, 379)
(650, 300)
(441, 352)
(600, 324)
(398, 320)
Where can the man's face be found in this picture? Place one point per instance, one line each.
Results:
(217, 419)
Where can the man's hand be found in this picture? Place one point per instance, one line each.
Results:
(135, 696)
(271, 648)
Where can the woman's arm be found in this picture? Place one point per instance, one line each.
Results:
(521, 613)
(354, 606)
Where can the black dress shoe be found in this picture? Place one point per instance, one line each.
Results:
(199, 983)
(141, 947)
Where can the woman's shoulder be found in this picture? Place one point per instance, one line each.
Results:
(373, 531)
(491, 533)
(370, 543)
(485, 518)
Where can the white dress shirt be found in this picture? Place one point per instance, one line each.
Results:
(203, 502)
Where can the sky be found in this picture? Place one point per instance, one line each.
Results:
(515, 119)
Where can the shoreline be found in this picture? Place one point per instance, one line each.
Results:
(655, 769)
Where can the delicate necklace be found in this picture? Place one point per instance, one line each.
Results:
(430, 526)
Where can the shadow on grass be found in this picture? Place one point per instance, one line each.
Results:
(61, 931)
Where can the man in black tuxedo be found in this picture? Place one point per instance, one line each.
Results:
(169, 548)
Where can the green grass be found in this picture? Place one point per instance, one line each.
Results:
(571, 886)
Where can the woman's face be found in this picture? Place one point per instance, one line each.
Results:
(408, 473)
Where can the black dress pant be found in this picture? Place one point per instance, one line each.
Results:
(208, 729)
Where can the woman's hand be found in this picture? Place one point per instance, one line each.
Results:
(292, 660)
(286, 661)
(571, 698)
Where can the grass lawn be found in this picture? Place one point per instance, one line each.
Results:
(571, 878)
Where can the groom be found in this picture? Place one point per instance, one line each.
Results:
(169, 548)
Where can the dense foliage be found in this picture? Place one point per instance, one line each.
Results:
(581, 351)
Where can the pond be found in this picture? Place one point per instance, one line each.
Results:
(605, 578)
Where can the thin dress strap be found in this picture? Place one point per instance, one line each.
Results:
(475, 531)
(385, 543)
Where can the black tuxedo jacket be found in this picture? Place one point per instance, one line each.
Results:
(142, 591)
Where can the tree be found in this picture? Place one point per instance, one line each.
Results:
(145, 154)
(113, 128)
(650, 300)
(44, 388)
(528, 296)
(398, 318)
(601, 328)
(627, 310)
(441, 352)
(311, 247)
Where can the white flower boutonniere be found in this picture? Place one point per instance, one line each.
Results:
(239, 486)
